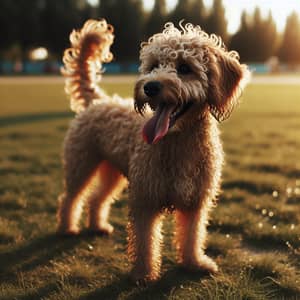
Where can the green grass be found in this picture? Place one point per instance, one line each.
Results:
(254, 234)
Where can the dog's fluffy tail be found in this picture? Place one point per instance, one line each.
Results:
(90, 47)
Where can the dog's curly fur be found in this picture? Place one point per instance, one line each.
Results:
(189, 80)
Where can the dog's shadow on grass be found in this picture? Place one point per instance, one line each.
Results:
(7, 121)
(35, 252)
(173, 279)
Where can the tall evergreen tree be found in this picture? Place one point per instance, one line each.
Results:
(255, 31)
(198, 13)
(106, 9)
(181, 12)
(257, 36)
(127, 18)
(240, 41)
(29, 24)
(59, 18)
(216, 22)
(8, 24)
(157, 18)
(290, 48)
(269, 41)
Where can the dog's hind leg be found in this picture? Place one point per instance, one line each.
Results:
(80, 165)
(109, 184)
(190, 238)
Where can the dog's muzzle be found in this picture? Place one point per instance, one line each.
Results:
(166, 112)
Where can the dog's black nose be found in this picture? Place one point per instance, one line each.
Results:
(152, 88)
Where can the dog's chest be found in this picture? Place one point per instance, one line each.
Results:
(172, 175)
(183, 171)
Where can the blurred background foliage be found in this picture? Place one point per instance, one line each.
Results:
(27, 24)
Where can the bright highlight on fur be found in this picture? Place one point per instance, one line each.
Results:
(170, 151)
(83, 62)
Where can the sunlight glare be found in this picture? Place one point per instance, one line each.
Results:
(39, 53)
(280, 10)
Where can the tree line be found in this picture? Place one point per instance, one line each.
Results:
(25, 24)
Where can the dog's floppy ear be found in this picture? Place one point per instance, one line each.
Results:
(227, 78)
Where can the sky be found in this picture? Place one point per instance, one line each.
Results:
(280, 9)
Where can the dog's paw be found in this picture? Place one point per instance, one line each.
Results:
(67, 231)
(203, 264)
(143, 282)
(142, 279)
(105, 229)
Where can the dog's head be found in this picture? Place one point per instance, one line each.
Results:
(184, 74)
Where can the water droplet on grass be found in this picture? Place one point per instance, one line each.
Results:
(292, 226)
(289, 191)
(260, 225)
(274, 227)
(275, 194)
(264, 211)
(271, 214)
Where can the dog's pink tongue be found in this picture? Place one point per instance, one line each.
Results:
(157, 127)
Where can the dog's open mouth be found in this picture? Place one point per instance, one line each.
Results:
(165, 116)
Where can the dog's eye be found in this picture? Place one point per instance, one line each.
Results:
(153, 66)
(184, 69)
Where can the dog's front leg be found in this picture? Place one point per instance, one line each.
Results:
(190, 240)
(144, 244)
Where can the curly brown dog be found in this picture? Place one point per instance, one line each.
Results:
(170, 151)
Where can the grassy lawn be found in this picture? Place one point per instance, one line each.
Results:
(254, 234)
